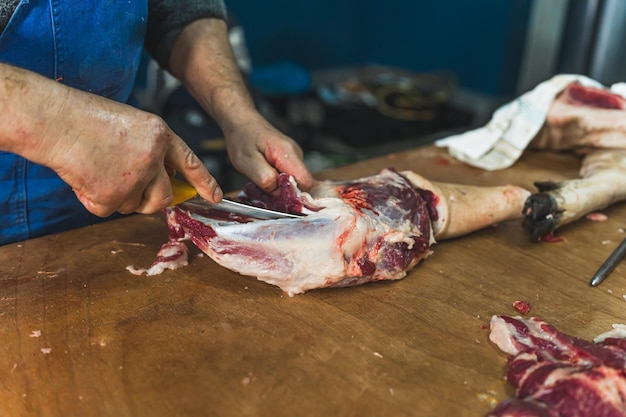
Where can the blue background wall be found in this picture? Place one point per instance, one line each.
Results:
(481, 41)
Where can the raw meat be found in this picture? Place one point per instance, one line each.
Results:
(354, 232)
(368, 229)
(558, 375)
(173, 255)
(584, 117)
(591, 121)
(522, 306)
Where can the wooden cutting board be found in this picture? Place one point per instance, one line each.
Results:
(81, 336)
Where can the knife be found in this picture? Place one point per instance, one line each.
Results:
(609, 265)
(184, 192)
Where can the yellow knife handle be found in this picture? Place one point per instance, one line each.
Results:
(182, 190)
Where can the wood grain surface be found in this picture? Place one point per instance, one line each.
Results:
(81, 336)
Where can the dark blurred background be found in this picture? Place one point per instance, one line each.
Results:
(351, 80)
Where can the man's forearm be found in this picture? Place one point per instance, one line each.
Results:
(28, 104)
(42, 119)
(114, 156)
(203, 60)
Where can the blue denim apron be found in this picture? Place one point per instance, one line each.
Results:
(92, 45)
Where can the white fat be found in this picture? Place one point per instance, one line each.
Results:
(618, 332)
(135, 271)
(160, 267)
(319, 266)
(400, 237)
(500, 335)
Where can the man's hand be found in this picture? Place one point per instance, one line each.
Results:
(114, 156)
(202, 59)
(123, 164)
(261, 152)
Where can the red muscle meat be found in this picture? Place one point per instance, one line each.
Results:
(555, 374)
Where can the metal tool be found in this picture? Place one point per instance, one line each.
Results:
(609, 265)
(231, 206)
(184, 192)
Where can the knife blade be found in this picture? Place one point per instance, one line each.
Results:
(186, 193)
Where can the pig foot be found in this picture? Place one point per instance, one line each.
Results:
(541, 213)
(556, 204)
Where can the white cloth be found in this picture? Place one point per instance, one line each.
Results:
(502, 140)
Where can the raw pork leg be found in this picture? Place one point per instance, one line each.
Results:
(369, 229)
(358, 231)
(555, 374)
(588, 120)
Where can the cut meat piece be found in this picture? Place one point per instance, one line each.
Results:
(589, 120)
(584, 117)
(369, 229)
(555, 374)
(358, 231)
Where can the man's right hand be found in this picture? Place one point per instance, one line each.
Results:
(114, 156)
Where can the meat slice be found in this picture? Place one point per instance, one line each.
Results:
(588, 120)
(555, 374)
(368, 229)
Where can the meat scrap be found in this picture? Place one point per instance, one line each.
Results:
(173, 255)
(369, 229)
(558, 375)
(597, 217)
(522, 306)
(591, 121)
